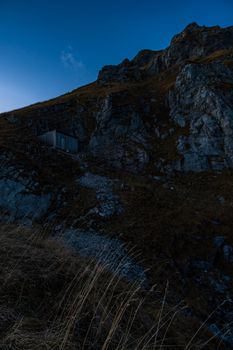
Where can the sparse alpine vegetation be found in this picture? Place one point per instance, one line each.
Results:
(53, 299)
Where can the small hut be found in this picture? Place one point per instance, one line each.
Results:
(59, 140)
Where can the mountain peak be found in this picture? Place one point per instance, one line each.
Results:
(192, 26)
(193, 42)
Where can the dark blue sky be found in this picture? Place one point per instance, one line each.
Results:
(49, 47)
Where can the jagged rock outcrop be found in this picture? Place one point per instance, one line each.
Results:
(194, 41)
(202, 102)
(197, 41)
(119, 136)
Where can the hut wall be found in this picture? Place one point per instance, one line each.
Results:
(59, 140)
(49, 138)
(66, 143)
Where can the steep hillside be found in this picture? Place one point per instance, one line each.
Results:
(153, 171)
(167, 110)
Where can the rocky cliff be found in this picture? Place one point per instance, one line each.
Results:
(197, 103)
(168, 110)
(154, 170)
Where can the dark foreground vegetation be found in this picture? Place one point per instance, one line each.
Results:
(53, 299)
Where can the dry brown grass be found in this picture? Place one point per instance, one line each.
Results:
(50, 298)
(53, 299)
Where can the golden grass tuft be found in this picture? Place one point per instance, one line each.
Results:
(53, 299)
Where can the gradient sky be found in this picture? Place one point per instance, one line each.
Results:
(49, 47)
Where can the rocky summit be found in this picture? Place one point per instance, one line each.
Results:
(153, 172)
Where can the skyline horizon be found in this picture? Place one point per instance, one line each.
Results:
(67, 92)
(48, 52)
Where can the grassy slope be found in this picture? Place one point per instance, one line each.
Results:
(53, 299)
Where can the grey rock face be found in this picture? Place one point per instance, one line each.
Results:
(207, 111)
(201, 104)
(120, 137)
(120, 73)
(17, 200)
(20, 204)
(197, 41)
(193, 42)
(109, 203)
(146, 62)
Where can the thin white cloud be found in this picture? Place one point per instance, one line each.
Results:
(69, 59)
